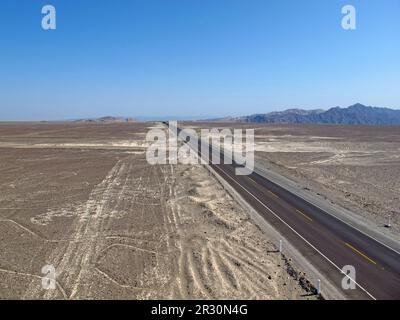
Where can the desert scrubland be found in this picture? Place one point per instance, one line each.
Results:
(83, 198)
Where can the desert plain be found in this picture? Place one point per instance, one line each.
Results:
(81, 197)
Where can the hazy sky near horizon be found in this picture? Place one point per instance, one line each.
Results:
(195, 58)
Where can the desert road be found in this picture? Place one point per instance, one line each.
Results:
(326, 242)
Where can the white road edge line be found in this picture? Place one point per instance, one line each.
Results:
(298, 234)
(305, 240)
(348, 224)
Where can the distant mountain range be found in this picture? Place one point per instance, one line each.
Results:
(107, 119)
(356, 114)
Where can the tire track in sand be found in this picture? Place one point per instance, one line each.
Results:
(73, 261)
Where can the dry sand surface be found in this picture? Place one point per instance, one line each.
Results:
(83, 198)
(357, 167)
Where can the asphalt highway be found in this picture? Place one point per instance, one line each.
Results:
(324, 240)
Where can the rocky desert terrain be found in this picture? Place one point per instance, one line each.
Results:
(82, 198)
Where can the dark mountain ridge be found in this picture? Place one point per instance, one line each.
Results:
(356, 114)
(107, 119)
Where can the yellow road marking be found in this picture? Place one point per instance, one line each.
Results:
(304, 215)
(274, 194)
(269, 191)
(291, 228)
(360, 253)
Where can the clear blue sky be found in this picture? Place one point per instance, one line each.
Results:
(195, 57)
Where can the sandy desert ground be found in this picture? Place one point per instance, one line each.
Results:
(357, 167)
(83, 198)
